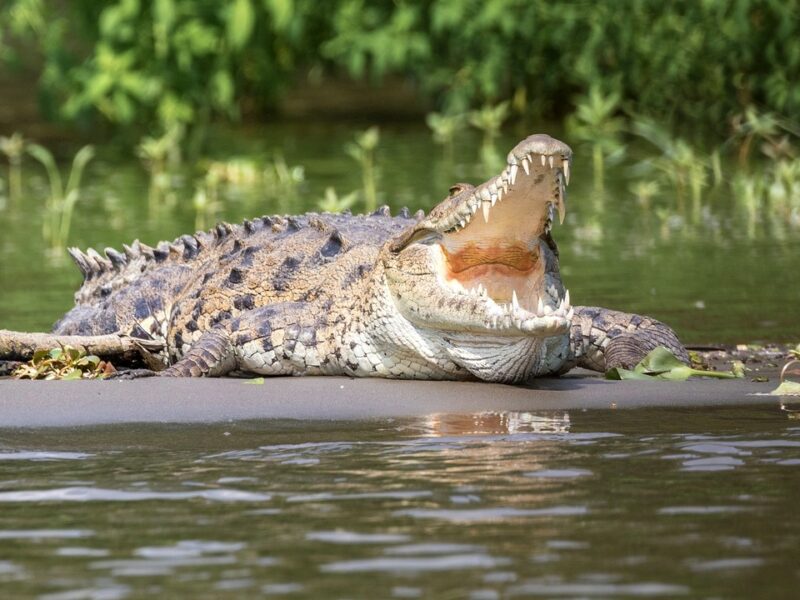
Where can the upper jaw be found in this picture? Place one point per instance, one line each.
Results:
(536, 155)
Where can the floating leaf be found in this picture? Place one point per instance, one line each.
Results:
(787, 388)
(255, 381)
(619, 374)
(661, 363)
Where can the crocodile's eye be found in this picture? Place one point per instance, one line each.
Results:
(457, 188)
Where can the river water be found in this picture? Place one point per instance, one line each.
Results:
(689, 503)
(651, 502)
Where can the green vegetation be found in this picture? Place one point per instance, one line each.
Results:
(334, 203)
(14, 148)
(149, 66)
(362, 150)
(63, 363)
(61, 199)
(660, 363)
(594, 122)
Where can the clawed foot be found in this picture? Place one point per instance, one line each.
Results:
(131, 374)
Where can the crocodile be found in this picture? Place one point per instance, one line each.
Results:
(472, 290)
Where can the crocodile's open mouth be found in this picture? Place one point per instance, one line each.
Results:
(496, 248)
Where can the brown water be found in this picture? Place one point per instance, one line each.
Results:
(611, 504)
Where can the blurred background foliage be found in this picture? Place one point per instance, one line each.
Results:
(154, 65)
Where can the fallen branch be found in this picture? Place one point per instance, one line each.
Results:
(18, 345)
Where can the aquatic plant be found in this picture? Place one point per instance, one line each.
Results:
(157, 155)
(660, 363)
(362, 150)
(281, 179)
(333, 203)
(679, 162)
(444, 128)
(205, 204)
(61, 199)
(752, 125)
(645, 190)
(13, 147)
(489, 120)
(63, 363)
(595, 122)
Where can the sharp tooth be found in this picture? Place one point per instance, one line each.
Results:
(526, 165)
(550, 160)
(566, 299)
(514, 301)
(462, 223)
(544, 160)
(494, 199)
(486, 207)
(512, 173)
(540, 307)
(565, 166)
(562, 210)
(518, 323)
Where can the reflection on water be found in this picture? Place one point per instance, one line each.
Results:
(491, 505)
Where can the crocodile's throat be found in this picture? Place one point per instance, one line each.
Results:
(498, 249)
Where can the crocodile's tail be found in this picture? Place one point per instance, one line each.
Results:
(103, 275)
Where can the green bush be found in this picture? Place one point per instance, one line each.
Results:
(152, 64)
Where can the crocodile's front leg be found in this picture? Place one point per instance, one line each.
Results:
(602, 339)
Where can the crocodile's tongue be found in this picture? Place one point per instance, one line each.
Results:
(499, 247)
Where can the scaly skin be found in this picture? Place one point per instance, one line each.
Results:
(471, 290)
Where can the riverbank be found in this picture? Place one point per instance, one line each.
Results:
(93, 402)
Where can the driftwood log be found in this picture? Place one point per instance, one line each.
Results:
(18, 345)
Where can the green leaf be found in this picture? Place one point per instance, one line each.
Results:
(72, 374)
(88, 361)
(787, 388)
(661, 363)
(619, 374)
(282, 11)
(659, 360)
(240, 23)
(39, 356)
(256, 381)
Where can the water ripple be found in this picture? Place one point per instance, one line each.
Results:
(427, 563)
(352, 537)
(490, 514)
(87, 494)
(35, 455)
(597, 589)
(43, 534)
